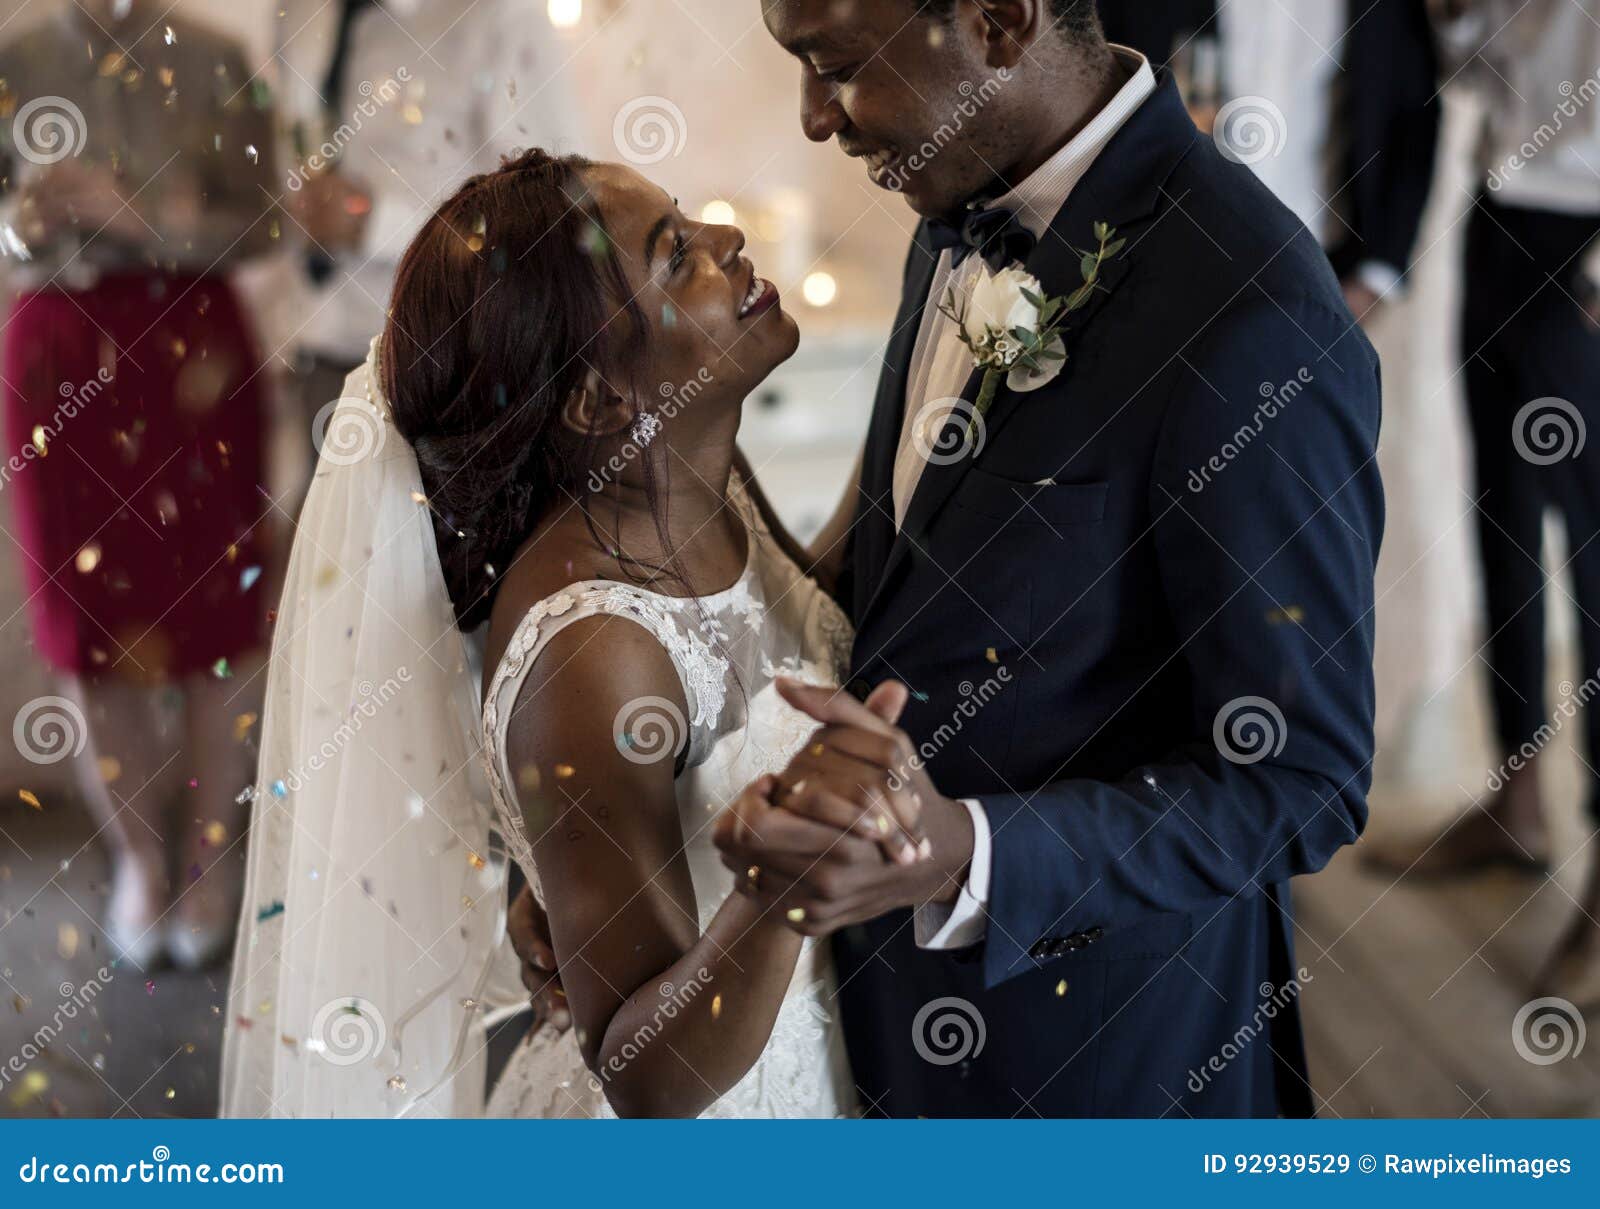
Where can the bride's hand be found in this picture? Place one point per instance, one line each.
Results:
(529, 930)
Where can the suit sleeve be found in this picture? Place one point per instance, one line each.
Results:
(1267, 570)
(1390, 113)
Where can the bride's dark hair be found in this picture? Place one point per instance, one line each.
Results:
(501, 305)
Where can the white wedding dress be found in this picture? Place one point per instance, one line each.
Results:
(727, 648)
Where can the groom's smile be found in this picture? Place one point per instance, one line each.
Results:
(916, 90)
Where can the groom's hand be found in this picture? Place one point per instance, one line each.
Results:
(854, 827)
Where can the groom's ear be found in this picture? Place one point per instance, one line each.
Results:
(596, 407)
(1011, 29)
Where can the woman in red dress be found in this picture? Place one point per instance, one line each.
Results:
(138, 168)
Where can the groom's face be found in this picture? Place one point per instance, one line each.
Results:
(898, 90)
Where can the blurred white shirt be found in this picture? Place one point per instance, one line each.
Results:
(478, 81)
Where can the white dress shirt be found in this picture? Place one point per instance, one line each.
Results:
(1537, 65)
(477, 83)
(940, 367)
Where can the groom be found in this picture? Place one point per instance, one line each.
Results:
(1133, 607)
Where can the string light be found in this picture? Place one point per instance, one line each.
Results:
(820, 289)
(565, 14)
(718, 214)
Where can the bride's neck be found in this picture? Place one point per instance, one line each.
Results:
(691, 486)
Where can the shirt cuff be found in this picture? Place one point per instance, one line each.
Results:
(964, 923)
(1382, 279)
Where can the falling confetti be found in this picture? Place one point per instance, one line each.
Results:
(716, 1007)
(242, 725)
(149, 986)
(563, 771)
(28, 796)
(221, 670)
(1292, 614)
(990, 654)
(67, 941)
(110, 768)
(268, 912)
(215, 834)
(1061, 988)
(170, 36)
(88, 559)
(476, 861)
(247, 577)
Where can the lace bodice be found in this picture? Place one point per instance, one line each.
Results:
(727, 648)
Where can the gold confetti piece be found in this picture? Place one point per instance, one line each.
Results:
(563, 771)
(1293, 614)
(172, 1093)
(476, 861)
(110, 768)
(528, 778)
(67, 941)
(716, 1007)
(40, 441)
(818, 749)
(88, 559)
(883, 824)
(188, 1047)
(28, 796)
(216, 833)
(991, 655)
(797, 915)
(397, 1083)
(1061, 988)
(242, 725)
(418, 498)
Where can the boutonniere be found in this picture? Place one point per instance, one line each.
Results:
(1014, 330)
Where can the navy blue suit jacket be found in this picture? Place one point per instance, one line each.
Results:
(1205, 553)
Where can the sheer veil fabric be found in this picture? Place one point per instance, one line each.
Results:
(374, 901)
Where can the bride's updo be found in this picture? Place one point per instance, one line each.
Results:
(501, 305)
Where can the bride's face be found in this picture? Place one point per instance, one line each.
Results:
(717, 328)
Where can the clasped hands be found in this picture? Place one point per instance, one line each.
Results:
(853, 827)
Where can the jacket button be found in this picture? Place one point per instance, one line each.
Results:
(859, 688)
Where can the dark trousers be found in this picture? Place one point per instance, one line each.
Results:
(1525, 338)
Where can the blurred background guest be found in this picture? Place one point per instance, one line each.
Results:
(137, 155)
(1334, 105)
(387, 106)
(1531, 343)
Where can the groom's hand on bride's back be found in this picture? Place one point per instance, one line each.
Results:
(853, 827)
(529, 930)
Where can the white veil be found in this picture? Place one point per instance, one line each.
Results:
(374, 904)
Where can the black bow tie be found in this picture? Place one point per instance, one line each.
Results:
(997, 235)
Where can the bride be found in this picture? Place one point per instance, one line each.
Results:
(535, 475)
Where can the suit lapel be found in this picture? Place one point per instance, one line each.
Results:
(1122, 188)
(874, 530)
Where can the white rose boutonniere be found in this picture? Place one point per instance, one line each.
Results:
(1014, 330)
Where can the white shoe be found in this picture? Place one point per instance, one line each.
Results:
(133, 915)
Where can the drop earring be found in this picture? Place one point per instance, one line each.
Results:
(645, 428)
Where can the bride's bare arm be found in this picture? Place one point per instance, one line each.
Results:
(667, 1018)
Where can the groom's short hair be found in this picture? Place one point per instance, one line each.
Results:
(1073, 19)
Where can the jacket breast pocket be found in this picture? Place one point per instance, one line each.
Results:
(1011, 502)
